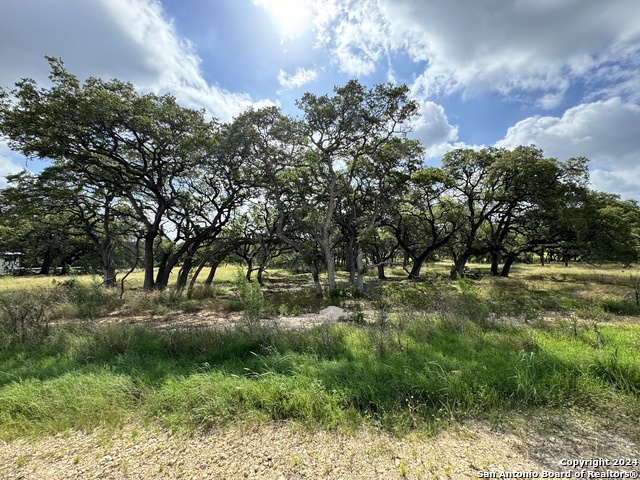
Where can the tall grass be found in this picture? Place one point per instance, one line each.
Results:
(423, 371)
(437, 351)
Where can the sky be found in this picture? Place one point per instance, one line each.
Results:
(561, 74)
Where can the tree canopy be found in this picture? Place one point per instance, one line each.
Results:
(341, 187)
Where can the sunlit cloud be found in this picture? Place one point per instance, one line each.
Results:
(131, 40)
(606, 132)
(485, 46)
(299, 78)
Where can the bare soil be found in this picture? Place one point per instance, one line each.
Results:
(286, 451)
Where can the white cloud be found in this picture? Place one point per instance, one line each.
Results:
(486, 45)
(8, 163)
(432, 128)
(127, 39)
(605, 132)
(298, 79)
(550, 101)
(354, 32)
(625, 183)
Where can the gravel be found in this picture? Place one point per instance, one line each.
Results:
(289, 451)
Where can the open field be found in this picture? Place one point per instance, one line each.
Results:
(519, 365)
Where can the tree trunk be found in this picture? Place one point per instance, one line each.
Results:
(261, 269)
(108, 268)
(330, 264)
(149, 282)
(249, 269)
(350, 259)
(46, 262)
(183, 274)
(361, 269)
(192, 283)
(212, 272)
(495, 262)
(458, 266)
(509, 259)
(316, 280)
(109, 275)
(381, 274)
(416, 268)
(331, 276)
(164, 272)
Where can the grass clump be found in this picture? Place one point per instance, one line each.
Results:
(73, 400)
(250, 300)
(25, 316)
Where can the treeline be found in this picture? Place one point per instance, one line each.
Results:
(137, 181)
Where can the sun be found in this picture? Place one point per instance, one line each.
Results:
(290, 17)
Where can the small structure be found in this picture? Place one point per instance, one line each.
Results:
(10, 262)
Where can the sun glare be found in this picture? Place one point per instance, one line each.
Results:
(291, 17)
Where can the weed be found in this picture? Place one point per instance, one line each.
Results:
(251, 300)
(526, 378)
(624, 376)
(25, 317)
(402, 468)
(89, 300)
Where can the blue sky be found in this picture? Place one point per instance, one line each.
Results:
(561, 74)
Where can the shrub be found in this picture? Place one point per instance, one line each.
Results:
(88, 300)
(251, 300)
(25, 316)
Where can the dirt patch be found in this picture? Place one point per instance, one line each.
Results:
(286, 451)
(215, 319)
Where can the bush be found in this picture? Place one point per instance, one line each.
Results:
(251, 300)
(88, 300)
(25, 316)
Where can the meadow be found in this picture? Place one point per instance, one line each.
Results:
(433, 353)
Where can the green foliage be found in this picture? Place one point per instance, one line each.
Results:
(251, 300)
(89, 300)
(25, 317)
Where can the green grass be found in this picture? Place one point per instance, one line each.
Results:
(398, 378)
(438, 351)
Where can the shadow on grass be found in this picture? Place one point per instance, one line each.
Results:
(401, 373)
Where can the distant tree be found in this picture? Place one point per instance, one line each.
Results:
(545, 211)
(46, 221)
(287, 182)
(372, 189)
(606, 228)
(476, 190)
(496, 191)
(381, 246)
(425, 218)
